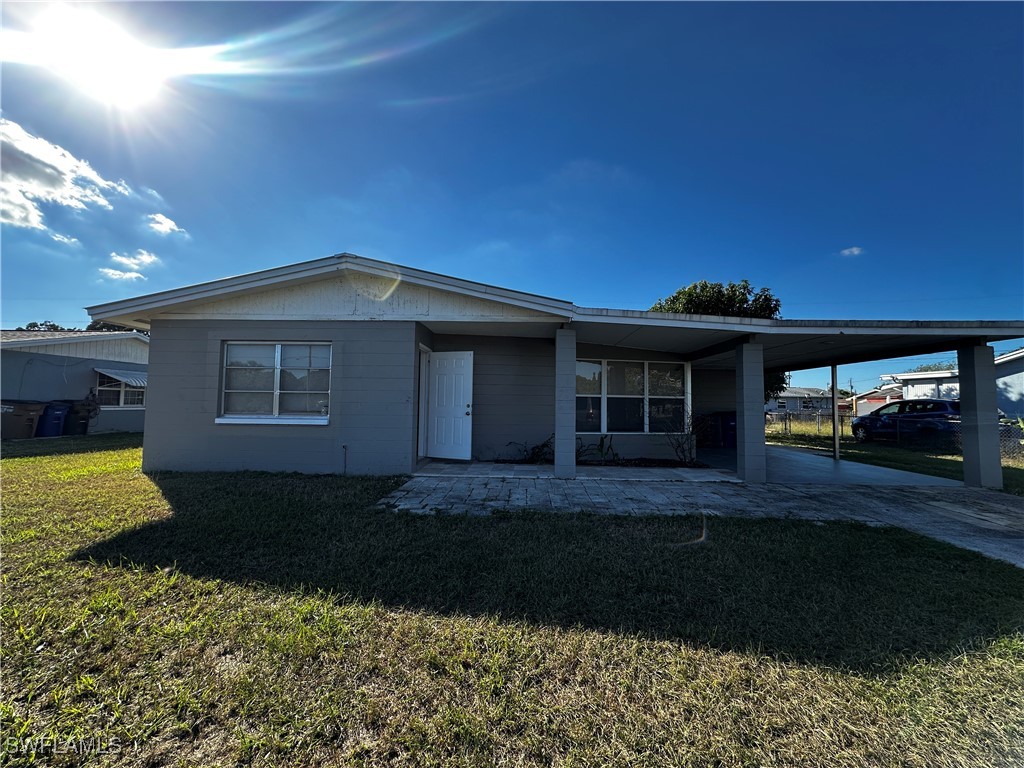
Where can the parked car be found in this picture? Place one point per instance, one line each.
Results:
(924, 417)
(918, 418)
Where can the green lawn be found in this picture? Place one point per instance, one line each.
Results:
(260, 619)
(886, 453)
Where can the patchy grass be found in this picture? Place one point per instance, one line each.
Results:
(258, 619)
(884, 453)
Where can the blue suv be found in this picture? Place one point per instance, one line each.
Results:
(909, 418)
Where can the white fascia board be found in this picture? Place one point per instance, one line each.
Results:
(989, 328)
(75, 339)
(919, 375)
(671, 320)
(1016, 354)
(127, 310)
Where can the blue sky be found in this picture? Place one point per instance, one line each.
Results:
(863, 160)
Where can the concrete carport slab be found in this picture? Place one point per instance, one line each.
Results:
(984, 521)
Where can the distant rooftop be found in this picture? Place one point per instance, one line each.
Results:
(49, 336)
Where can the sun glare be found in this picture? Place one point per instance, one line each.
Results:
(98, 57)
(105, 62)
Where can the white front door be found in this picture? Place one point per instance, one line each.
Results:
(450, 417)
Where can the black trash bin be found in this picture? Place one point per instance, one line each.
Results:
(725, 424)
(52, 422)
(19, 418)
(77, 421)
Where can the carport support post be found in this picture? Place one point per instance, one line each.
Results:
(751, 463)
(979, 419)
(565, 403)
(835, 412)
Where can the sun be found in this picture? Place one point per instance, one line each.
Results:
(94, 54)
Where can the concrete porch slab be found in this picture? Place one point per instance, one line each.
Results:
(985, 521)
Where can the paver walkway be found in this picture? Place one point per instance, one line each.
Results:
(989, 522)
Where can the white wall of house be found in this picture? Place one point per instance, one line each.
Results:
(943, 389)
(1009, 386)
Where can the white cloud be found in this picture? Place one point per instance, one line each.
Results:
(64, 239)
(138, 261)
(116, 274)
(160, 223)
(855, 250)
(36, 171)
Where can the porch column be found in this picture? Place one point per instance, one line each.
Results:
(979, 420)
(565, 403)
(751, 465)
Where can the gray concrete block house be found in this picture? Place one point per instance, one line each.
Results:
(350, 365)
(72, 365)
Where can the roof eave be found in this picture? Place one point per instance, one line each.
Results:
(137, 311)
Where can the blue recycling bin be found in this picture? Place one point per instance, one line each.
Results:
(52, 422)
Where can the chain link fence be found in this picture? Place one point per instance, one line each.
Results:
(932, 436)
(806, 423)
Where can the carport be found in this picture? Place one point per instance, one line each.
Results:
(742, 350)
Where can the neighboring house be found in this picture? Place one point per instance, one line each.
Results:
(945, 385)
(72, 365)
(800, 399)
(873, 399)
(351, 365)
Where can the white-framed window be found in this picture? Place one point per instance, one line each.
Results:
(282, 382)
(781, 405)
(113, 393)
(629, 396)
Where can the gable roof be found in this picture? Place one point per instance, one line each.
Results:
(136, 311)
(709, 341)
(15, 339)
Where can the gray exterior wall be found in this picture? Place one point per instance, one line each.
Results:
(35, 376)
(372, 425)
(513, 391)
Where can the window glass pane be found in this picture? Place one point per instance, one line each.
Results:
(250, 355)
(625, 378)
(305, 356)
(625, 414)
(106, 381)
(665, 379)
(667, 415)
(588, 414)
(305, 381)
(295, 356)
(249, 379)
(134, 396)
(302, 403)
(108, 396)
(588, 378)
(249, 403)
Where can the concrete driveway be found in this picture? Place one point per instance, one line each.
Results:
(989, 522)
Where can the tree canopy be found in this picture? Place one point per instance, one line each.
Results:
(730, 300)
(49, 325)
(947, 365)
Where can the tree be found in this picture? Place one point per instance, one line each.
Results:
(46, 325)
(731, 300)
(99, 325)
(948, 365)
